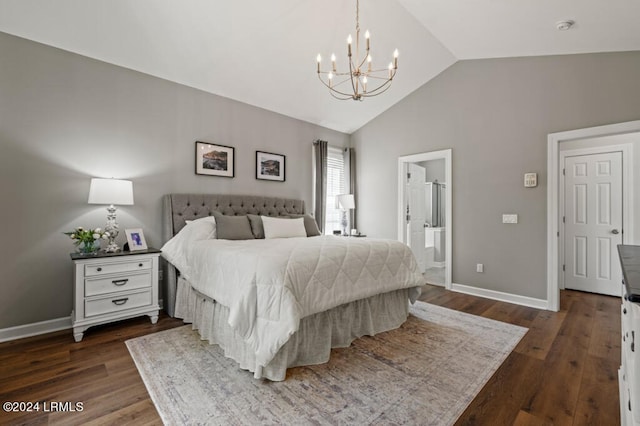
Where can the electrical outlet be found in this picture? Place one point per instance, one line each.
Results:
(480, 267)
(509, 218)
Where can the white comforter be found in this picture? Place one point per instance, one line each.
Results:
(269, 285)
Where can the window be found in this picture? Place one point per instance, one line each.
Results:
(335, 186)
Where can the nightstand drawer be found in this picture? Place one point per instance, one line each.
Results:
(116, 303)
(97, 286)
(112, 268)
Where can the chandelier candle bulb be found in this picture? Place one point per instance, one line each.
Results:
(333, 62)
(395, 58)
(319, 59)
(369, 62)
(367, 35)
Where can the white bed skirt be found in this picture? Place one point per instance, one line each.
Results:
(311, 344)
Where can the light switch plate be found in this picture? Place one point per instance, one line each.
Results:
(509, 218)
(530, 180)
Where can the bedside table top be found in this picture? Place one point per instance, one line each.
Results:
(102, 254)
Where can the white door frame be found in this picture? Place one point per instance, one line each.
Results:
(417, 158)
(554, 269)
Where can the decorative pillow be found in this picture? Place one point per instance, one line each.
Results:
(283, 228)
(233, 227)
(256, 225)
(309, 224)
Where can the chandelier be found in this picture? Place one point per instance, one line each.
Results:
(362, 80)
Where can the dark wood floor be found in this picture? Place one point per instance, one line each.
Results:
(563, 372)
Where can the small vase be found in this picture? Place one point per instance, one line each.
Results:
(89, 247)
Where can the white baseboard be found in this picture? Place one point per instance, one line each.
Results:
(37, 328)
(503, 297)
(34, 329)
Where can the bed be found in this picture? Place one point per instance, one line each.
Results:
(276, 303)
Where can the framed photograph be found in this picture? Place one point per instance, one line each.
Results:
(270, 166)
(135, 238)
(215, 160)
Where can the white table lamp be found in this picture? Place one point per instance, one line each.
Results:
(111, 192)
(345, 202)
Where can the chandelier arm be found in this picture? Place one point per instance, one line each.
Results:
(385, 70)
(347, 97)
(353, 85)
(333, 90)
(346, 75)
(364, 60)
(375, 91)
(375, 77)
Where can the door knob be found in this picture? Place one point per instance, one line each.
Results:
(615, 232)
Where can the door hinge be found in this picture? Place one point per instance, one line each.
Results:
(563, 268)
(558, 234)
(563, 219)
(408, 175)
(563, 173)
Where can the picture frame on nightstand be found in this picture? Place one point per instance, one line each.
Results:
(135, 238)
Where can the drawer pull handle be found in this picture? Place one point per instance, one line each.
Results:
(624, 311)
(120, 282)
(140, 265)
(99, 269)
(633, 341)
(120, 301)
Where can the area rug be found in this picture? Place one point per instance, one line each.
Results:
(425, 372)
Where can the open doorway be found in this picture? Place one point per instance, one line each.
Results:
(424, 212)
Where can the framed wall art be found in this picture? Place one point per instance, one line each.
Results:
(215, 160)
(270, 166)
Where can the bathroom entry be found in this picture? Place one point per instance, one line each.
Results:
(425, 212)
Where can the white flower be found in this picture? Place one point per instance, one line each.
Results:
(97, 230)
(105, 236)
(73, 236)
(80, 228)
(96, 236)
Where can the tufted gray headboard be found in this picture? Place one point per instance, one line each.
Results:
(177, 208)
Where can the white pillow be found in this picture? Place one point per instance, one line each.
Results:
(176, 249)
(283, 228)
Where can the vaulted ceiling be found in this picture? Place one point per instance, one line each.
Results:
(263, 52)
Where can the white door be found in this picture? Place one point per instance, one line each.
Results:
(593, 222)
(416, 212)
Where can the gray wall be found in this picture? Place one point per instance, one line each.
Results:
(65, 118)
(434, 170)
(495, 114)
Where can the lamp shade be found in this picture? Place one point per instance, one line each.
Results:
(345, 201)
(111, 191)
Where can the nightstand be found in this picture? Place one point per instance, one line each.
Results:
(113, 286)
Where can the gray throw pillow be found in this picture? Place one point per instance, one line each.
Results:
(257, 228)
(310, 224)
(233, 227)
